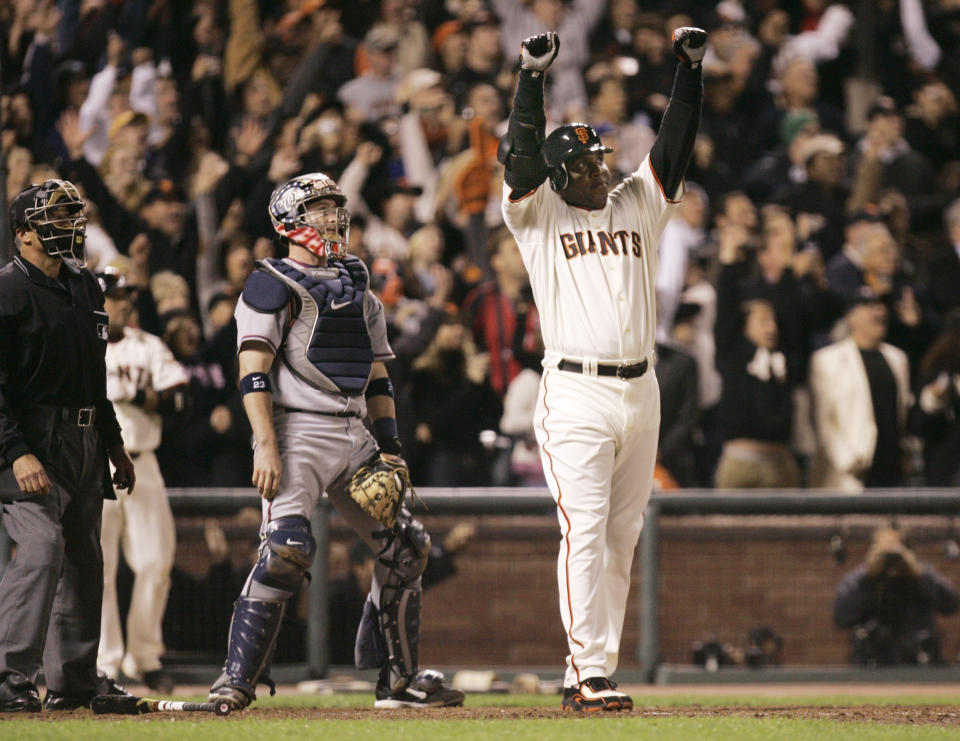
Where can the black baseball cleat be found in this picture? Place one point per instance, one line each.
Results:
(593, 695)
(425, 690)
(19, 695)
(60, 701)
(71, 701)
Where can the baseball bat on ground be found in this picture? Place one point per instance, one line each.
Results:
(131, 705)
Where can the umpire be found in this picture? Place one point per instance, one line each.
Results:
(57, 429)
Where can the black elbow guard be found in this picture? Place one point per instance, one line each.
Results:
(519, 153)
(522, 171)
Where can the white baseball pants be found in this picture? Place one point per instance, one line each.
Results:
(142, 524)
(598, 443)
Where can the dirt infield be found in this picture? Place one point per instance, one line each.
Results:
(940, 715)
(653, 696)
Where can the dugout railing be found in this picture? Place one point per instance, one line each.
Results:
(537, 501)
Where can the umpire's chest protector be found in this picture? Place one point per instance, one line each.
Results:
(327, 344)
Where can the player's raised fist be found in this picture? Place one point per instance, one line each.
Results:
(538, 52)
(690, 44)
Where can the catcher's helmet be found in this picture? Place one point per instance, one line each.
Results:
(323, 231)
(564, 143)
(55, 211)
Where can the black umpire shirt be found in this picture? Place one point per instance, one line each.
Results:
(53, 339)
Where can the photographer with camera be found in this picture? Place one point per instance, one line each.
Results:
(889, 602)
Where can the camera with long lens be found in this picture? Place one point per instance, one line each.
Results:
(894, 564)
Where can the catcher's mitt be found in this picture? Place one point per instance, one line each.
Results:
(380, 487)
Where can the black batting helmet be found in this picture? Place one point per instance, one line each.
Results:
(564, 143)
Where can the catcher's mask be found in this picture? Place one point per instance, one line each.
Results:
(564, 144)
(53, 210)
(297, 216)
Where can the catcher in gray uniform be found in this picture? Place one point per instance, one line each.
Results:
(312, 343)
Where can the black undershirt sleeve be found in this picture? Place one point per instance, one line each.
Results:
(671, 151)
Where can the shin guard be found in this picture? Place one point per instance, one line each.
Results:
(253, 634)
(400, 623)
(399, 612)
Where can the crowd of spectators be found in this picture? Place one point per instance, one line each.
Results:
(822, 208)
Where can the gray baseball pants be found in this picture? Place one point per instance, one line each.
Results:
(51, 591)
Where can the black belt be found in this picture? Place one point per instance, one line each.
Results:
(622, 370)
(284, 410)
(77, 416)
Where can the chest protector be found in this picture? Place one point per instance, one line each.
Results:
(328, 345)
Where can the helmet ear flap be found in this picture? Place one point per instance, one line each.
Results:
(559, 177)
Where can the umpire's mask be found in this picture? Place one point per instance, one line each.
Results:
(53, 210)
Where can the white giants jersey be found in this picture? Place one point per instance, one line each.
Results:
(593, 272)
(140, 361)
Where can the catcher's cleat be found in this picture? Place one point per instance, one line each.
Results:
(595, 694)
(236, 693)
(426, 690)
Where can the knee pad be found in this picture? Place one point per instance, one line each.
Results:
(406, 551)
(286, 555)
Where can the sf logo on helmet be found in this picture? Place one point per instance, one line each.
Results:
(582, 134)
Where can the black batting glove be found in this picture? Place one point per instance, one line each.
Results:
(690, 44)
(538, 52)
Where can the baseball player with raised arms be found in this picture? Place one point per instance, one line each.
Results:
(312, 341)
(145, 384)
(592, 260)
